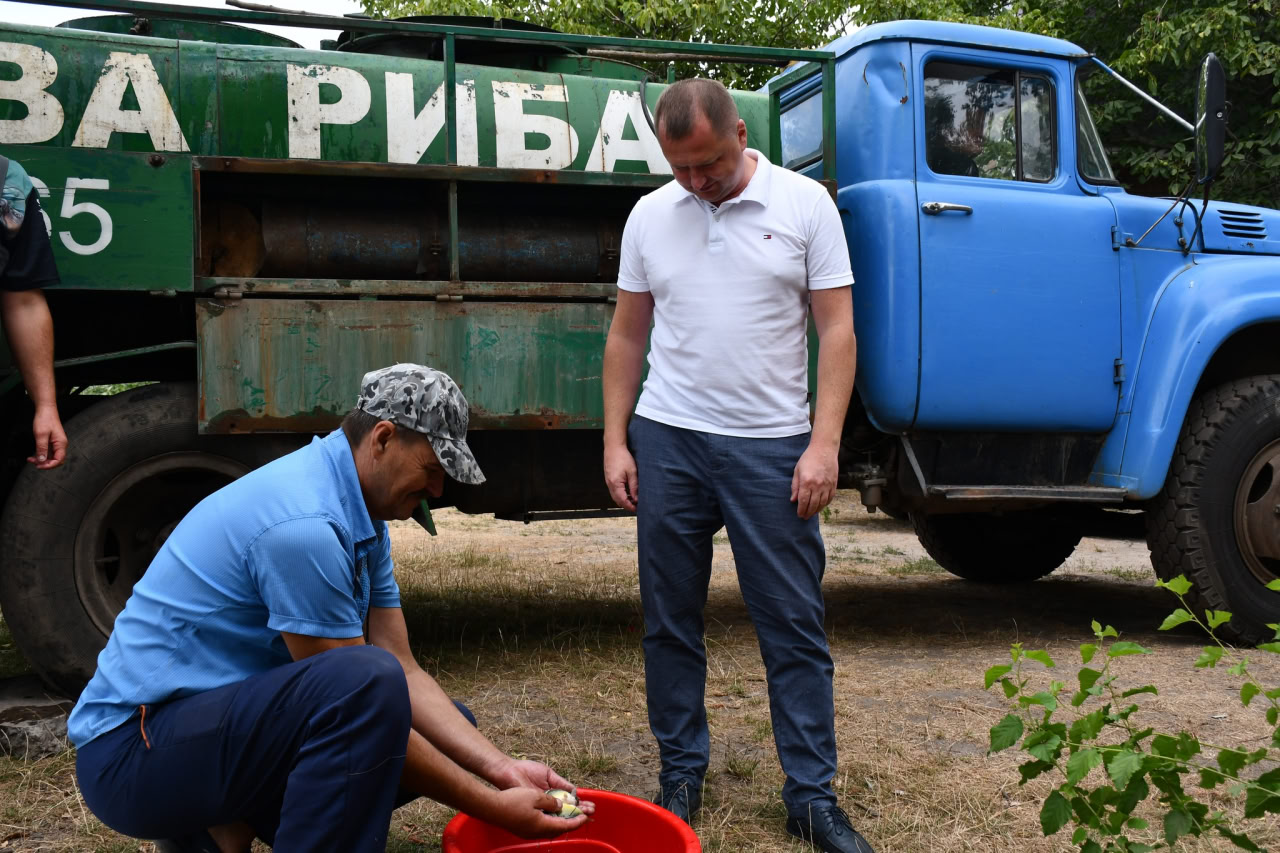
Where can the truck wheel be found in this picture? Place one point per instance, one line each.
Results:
(1217, 521)
(1013, 547)
(75, 539)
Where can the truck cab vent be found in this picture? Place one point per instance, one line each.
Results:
(1239, 223)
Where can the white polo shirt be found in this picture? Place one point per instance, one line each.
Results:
(729, 352)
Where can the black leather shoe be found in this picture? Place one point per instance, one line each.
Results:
(828, 828)
(682, 799)
(196, 842)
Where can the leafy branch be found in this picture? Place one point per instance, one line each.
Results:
(1133, 763)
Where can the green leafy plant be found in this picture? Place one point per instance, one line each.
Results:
(1108, 764)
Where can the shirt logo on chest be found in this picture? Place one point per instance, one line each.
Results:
(768, 236)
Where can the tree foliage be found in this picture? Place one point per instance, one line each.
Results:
(1156, 45)
(764, 23)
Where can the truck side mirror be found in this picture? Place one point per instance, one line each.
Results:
(1211, 119)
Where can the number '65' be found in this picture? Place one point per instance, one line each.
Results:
(71, 207)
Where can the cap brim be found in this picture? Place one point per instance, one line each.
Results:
(457, 460)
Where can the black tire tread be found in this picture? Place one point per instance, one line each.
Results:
(41, 519)
(1174, 535)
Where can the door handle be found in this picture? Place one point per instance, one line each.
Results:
(933, 208)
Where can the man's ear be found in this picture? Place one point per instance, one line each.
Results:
(380, 437)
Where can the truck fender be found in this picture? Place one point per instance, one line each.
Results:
(1194, 315)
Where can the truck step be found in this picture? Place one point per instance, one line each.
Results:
(1083, 494)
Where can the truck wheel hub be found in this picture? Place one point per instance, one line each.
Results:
(130, 519)
(1257, 514)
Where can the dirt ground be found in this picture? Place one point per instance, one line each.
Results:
(537, 628)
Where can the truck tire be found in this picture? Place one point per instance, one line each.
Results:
(1217, 521)
(1014, 547)
(74, 539)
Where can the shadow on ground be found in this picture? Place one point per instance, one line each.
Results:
(934, 608)
(942, 606)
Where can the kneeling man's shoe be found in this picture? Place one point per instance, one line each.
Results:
(196, 842)
(828, 829)
(682, 799)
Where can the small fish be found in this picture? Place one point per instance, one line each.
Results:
(568, 803)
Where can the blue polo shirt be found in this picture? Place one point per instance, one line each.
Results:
(288, 547)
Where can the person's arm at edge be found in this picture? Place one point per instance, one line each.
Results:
(430, 772)
(28, 326)
(623, 364)
(814, 483)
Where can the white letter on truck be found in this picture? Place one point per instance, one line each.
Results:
(43, 120)
(306, 113)
(514, 126)
(104, 115)
(610, 147)
(409, 136)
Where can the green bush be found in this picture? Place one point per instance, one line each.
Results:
(1107, 763)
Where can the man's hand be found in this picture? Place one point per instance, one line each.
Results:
(623, 363)
(51, 440)
(523, 811)
(814, 482)
(536, 775)
(620, 476)
(29, 328)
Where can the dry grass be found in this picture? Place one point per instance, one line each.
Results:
(41, 809)
(537, 629)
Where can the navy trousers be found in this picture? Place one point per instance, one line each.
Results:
(308, 754)
(690, 484)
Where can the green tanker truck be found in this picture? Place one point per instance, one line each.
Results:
(248, 226)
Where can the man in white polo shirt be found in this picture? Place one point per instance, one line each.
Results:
(727, 262)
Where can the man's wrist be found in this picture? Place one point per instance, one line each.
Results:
(614, 439)
(496, 770)
(486, 806)
(825, 443)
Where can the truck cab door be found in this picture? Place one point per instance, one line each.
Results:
(1020, 285)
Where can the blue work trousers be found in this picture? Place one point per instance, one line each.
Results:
(690, 484)
(309, 754)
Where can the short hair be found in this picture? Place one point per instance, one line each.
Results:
(358, 423)
(679, 107)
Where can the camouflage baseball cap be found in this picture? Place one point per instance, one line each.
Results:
(428, 401)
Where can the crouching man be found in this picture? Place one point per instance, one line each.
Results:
(259, 681)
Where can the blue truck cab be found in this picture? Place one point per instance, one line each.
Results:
(1035, 343)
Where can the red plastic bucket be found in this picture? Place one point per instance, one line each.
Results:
(621, 824)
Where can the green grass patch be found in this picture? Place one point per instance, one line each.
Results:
(1131, 575)
(922, 566)
(12, 663)
(458, 602)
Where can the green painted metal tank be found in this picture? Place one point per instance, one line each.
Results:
(223, 162)
(249, 226)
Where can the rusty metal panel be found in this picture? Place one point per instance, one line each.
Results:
(295, 365)
(444, 291)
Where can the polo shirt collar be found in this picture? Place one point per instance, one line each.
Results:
(757, 188)
(342, 464)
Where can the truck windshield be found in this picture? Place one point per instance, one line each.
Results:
(1094, 165)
